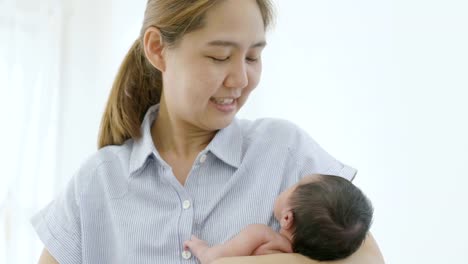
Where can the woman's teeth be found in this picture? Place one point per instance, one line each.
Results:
(222, 101)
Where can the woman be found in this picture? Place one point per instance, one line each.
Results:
(173, 159)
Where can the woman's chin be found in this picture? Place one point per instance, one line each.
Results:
(221, 123)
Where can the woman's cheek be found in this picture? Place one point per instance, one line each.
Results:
(255, 74)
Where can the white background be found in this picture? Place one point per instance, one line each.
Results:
(381, 85)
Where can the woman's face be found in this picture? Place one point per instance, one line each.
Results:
(209, 75)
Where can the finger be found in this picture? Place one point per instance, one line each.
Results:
(187, 244)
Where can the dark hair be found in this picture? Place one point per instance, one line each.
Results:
(331, 218)
(138, 85)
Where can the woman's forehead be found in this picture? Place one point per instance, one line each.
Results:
(232, 23)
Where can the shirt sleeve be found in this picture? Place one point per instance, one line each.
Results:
(311, 158)
(58, 226)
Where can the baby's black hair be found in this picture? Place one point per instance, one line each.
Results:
(331, 218)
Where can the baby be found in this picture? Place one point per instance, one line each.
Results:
(322, 217)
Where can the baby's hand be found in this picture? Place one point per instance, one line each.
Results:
(199, 248)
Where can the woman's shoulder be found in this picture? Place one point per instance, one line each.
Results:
(107, 162)
(269, 128)
(113, 154)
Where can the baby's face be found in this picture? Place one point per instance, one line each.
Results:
(282, 203)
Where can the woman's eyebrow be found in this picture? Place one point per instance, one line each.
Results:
(225, 43)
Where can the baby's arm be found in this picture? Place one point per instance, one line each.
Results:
(256, 238)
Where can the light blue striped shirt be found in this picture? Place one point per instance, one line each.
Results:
(124, 205)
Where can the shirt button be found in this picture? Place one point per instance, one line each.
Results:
(203, 158)
(186, 204)
(186, 254)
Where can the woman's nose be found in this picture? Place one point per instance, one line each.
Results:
(237, 76)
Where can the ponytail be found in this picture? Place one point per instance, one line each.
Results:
(137, 86)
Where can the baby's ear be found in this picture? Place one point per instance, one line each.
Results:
(287, 220)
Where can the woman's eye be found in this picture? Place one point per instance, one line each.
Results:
(252, 59)
(219, 59)
(222, 59)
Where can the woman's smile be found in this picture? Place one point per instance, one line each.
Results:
(226, 104)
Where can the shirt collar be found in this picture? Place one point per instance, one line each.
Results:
(226, 145)
(143, 147)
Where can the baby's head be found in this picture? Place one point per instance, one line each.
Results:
(326, 217)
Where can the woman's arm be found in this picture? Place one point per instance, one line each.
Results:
(368, 253)
(46, 258)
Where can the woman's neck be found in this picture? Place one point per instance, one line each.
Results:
(177, 137)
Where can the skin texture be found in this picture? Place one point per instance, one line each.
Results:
(255, 239)
(191, 76)
(368, 253)
(47, 258)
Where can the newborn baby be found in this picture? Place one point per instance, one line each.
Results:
(322, 217)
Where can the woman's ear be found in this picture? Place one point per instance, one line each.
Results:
(287, 220)
(154, 48)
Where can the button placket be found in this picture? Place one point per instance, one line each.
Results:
(186, 223)
(186, 204)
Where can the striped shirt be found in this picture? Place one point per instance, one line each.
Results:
(124, 205)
